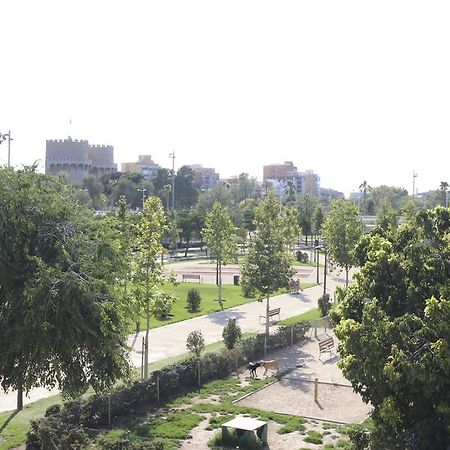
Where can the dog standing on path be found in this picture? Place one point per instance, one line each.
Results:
(252, 366)
(270, 365)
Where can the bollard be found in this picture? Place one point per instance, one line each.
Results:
(157, 388)
(316, 388)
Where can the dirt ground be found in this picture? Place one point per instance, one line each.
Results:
(293, 394)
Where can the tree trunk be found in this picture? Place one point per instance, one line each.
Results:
(220, 285)
(146, 341)
(346, 275)
(267, 316)
(19, 398)
(217, 272)
(187, 248)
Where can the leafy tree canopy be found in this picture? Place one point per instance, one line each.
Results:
(394, 334)
(61, 317)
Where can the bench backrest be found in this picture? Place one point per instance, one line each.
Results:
(326, 343)
(273, 312)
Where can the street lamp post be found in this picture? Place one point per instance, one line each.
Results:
(3, 138)
(172, 155)
(325, 273)
(317, 257)
(143, 197)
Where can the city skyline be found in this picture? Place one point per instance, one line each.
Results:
(352, 91)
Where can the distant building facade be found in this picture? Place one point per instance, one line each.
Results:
(204, 177)
(280, 174)
(145, 166)
(78, 159)
(330, 194)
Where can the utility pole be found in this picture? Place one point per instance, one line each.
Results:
(2, 139)
(143, 197)
(172, 155)
(414, 182)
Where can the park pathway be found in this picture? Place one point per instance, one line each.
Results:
(170, 340)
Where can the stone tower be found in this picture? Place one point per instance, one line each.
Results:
(78, 159)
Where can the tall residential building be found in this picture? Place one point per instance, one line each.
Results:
(280, 174)
(279, 171)
(78, 159)
(144, 165)
(204, 177)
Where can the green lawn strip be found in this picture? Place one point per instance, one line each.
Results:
(314, 314)
(232, 296)
(14, 433)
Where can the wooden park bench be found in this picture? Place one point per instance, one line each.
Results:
(191, 276)
(272, 312)
(326, 345)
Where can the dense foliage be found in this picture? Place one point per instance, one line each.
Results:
(61, 314)
(393, 325)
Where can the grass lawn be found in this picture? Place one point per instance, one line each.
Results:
(14, 426)
(314, 314)
(232, 296)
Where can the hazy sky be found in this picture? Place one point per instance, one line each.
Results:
(354, 90)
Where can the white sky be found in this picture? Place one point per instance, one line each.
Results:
(354, 90)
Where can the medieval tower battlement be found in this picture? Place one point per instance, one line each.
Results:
(78, 159)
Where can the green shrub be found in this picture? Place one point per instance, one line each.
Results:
(301, 256)
(193, 300)
(231, 334)
(313, 437)
(324, 304)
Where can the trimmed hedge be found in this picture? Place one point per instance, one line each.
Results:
(83, 418)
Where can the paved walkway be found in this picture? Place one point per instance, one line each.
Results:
(170, 340)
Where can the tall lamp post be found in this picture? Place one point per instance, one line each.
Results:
(143, 197)
(172, 155)
(325, 272)
(317, 258)
(3, 138)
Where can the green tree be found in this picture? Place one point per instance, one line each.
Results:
(267, 266)
(195, 343)
(219, 234)
(387, 217)
(185, 193)
(306, 204)
(231, 334)
(148, 276)
(62, 320)
(342, 231)
(317, 220)
(395, 197)
(394, 334)
(444, 189)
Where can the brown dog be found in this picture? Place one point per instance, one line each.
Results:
(270, 365)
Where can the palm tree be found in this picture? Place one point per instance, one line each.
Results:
(289, 190)
(444, 188)
(364, 188)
